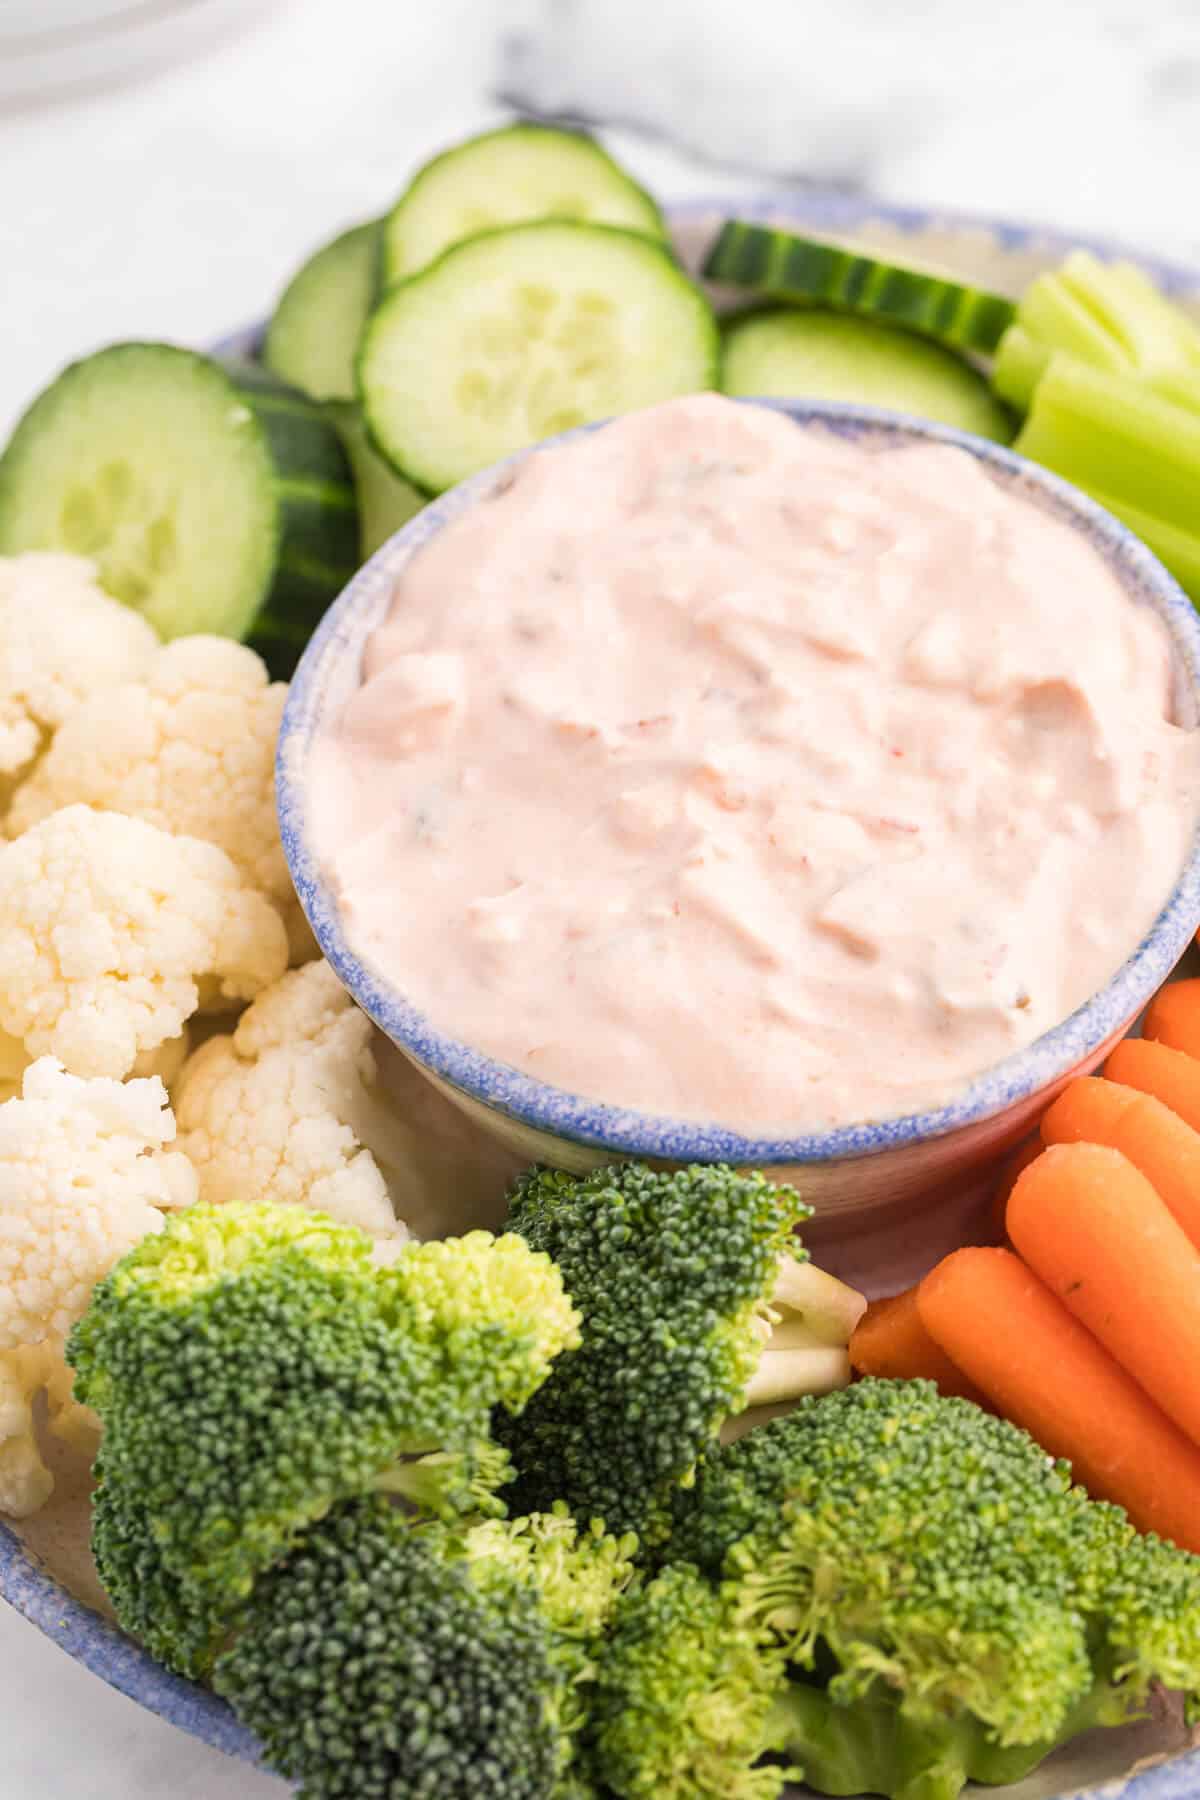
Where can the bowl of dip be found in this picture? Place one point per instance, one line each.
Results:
(779, 783)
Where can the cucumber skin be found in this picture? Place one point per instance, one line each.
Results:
(131, 357)
(391, 275)
(310, 527)
(278, 353)
(318, 516)
(386, 501)
(785, 266)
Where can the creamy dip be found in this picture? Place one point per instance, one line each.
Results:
(725, 769)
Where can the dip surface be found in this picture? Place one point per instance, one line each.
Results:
(731, 770)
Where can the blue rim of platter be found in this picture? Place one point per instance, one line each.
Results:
(91, 1639)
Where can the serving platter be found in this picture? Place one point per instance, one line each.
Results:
(45, 1570)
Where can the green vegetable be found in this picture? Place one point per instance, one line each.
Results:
(312, 339)
(519, 334)
(210, 499)
(1107, 315)
(672, 1274)
(319, 526)
(381, 1660)
(509, 177)
(1108, 371)
(1134, 451)
(834, 356)
(385, 500)
(926, 300)
(253, 1367)
(687, 1697)
(953, 1608)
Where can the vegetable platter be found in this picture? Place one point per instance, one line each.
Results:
(305, 1256)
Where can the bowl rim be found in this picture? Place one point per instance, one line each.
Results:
(598, 1125)
(85, 1634)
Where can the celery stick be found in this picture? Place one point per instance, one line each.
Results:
(1135, 452)
(1020, 364)
(1180, 386)
(1110, 433)
(1128, 308)
(1176, 548)
(1108, 315)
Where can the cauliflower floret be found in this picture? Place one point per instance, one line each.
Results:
(83, 1177)
(13, 1063)
(62, 638)
(189, 747)
(25, 1481)
(286, 1109)
(165, 1062)
(112, 932)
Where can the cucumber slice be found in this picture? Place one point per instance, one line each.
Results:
(319, 523)
(517, 335)
(924, 299)
(835, 356)
(145, 458)
(312, 339)
(209, 500)
(385, 500)
(507, 177)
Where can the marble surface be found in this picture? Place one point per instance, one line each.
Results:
(172, 207)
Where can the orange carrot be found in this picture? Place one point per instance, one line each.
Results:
(1172, 1076)
(1019, 1159)
(891, 1341)
(1149, 1134)
(1100, 1237)
(1173, 1017)
(1013, 1338)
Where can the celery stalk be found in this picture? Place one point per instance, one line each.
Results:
(1135, 452)
(1177, 549)
(1107, 315)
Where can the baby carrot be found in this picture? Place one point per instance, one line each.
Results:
(1007, 1331)
(891, 1341)
(1172, 1076)
(1149, 1134)
(1098, 1234)
(1173, 1017)
(1019, 1159)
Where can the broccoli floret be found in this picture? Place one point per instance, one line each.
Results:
(578, 1576)
(685, 1703)
(952, 1607)
(381, 1659)
(252, 1366)
(672, 1274)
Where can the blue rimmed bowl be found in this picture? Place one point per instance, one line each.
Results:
(850, 1173)
(40, 1561)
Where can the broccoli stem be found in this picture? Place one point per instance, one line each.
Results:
(869, 1748)
(812, 1307)
(449, 1483)
(790, 1374)
(806, 1326)
(872, 1747)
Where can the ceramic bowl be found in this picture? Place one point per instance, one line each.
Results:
(851, 1173)
(42, 1567)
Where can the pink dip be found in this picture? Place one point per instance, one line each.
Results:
(734, 771)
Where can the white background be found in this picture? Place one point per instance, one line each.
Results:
(175, 205)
